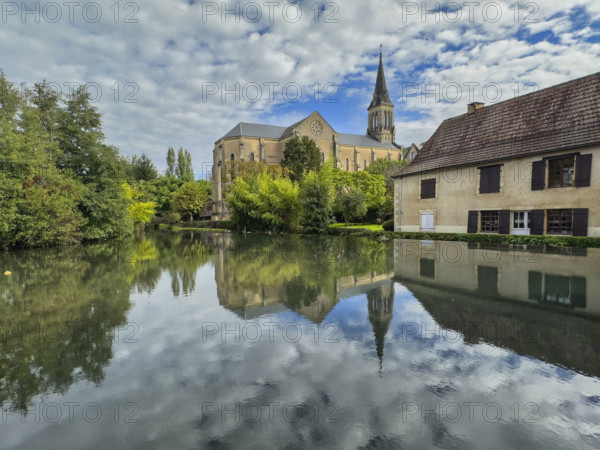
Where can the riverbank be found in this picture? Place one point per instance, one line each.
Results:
(355, 230)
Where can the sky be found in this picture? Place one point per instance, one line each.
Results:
(183, 73)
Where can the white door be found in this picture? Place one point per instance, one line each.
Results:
(521, 223)
(427, 221)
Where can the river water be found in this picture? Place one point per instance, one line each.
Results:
(216, 340)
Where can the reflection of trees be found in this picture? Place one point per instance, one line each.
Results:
(58, 310)
(295, 270)
(60, 307)
(181, 254)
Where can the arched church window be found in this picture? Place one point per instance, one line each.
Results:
(323, 156)
(365, 164)
(347, 165)
(251, 156)
(232, 156)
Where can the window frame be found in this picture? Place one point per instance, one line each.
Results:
(561, 162)
(486, 224)
(563, 214)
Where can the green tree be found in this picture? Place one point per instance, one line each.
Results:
(189, 170)
(316, 201)
(190, 199)
(183, 169)
(141, 212)
(143, 168)
(170, 162)
(264, 202)
(300, 156)
(350, 203)
(99, 167)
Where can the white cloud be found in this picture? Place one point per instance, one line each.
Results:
(171, 53)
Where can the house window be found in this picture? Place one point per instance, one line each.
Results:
(489, 180)
(428, 188)
(560, 172)
(521, 222)
(489, 221)
(427, 268)
(232, 157)
(560, 221)
(251, 156)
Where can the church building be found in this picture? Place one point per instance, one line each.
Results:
(351, 152)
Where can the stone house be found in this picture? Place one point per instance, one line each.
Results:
(529, 165)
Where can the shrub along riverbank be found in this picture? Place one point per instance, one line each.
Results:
(490, 239)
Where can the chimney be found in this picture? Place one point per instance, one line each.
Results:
(472, 107)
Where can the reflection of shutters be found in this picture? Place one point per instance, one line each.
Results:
(583, 170)
(580, 222)
(578, 291)
(504, 221)
(535, 286)
(538, 175)
(473, 222)
(537, 221)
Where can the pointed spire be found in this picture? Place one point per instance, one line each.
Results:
(381, 95)
(380, 304)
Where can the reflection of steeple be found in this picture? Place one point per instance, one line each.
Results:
(381, 306)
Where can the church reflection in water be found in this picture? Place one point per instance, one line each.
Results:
(309, 276)
(537, 302)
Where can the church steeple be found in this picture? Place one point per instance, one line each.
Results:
(381, 109)
(380, 303)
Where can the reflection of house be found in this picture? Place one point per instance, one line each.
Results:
(523, 166)
(538, 304)
(351, 152)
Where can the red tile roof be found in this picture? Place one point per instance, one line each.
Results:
(561, 117)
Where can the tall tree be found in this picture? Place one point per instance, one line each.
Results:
(170, 162)
(189, 170)
(301, 155)
(180, 169)
(143, 168)
(99, 167)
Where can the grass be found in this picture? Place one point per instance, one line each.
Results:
(366, 226)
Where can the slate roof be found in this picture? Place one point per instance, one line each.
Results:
(558, 118)
(255, 130)
(364, 141)
(244, 129)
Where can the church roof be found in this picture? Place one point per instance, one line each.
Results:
(558, 118)
(358, 140)
(245, 129)
(255, 130)
(380, 95)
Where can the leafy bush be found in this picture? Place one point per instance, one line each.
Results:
(173, 218)
(388, 225)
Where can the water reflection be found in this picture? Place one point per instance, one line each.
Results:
(537, 303)
(417, 327)
(58, 310)
(308, 275)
